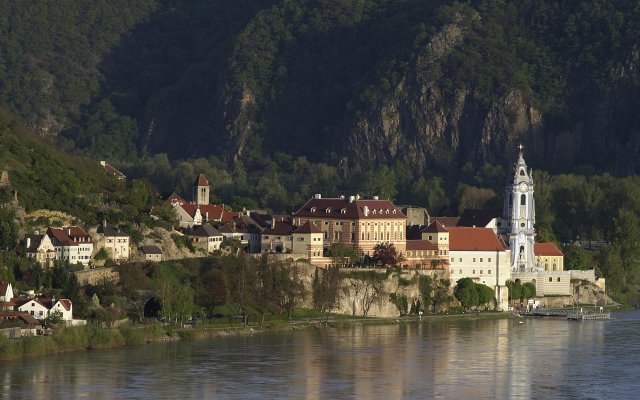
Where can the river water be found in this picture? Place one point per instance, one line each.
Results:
(464, 359)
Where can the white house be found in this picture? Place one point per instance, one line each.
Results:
(40, 247)
(205, 237)
(42, 308)
(116, 243)
(72, 243)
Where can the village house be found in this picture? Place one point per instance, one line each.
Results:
(277, 238)
(6, 291)
(308, 240)
(40, 309)
(151, 253)
(205, 237)
(245, 230)
(357, 223)
(40, 248)
(72, 244)
(548, 256)
(115, 242)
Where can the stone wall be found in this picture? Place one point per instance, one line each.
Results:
(95, 276)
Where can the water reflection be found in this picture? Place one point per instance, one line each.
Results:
(472, 359)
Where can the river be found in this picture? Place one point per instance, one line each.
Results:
(461, 359)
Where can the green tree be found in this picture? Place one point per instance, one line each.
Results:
(385, 254)
(8, 229)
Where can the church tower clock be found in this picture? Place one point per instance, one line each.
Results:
(519, 217)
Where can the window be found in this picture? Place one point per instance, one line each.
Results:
(489, 272)
(550, 279)
(480, 272)
(452, 259)
(489, 260)
(522, 172)
(474, 272)
(460, 259)
(474, 260)
(558, 279)
(460, 271)
(523, 200)
(481, 261)
(430, 237)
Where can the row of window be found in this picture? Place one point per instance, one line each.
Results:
(474, 259)
(473, 272)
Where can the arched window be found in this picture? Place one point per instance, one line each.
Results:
(522, 172)
(523, 200)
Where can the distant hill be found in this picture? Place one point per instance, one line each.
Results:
(47, 178)
(433, 84)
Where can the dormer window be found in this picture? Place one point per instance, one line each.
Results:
(373, 212)
(313, 209)
(343, 211)
(387, 211)
(328, 210)
(393, 212)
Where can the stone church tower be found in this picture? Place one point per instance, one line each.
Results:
(519, 217)
(201, 190)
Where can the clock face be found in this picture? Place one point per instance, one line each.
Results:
(523, 186)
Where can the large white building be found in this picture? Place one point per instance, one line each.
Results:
(72, 244)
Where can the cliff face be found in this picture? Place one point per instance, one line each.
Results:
(424, 124)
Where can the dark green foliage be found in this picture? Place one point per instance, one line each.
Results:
(472, 294)
(521, 292)
(8, 229)
(385, 254)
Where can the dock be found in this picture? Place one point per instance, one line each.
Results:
(578, 315)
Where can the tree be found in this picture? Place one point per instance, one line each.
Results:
(385, 254)
(214, 289)
(466, 293)
(326, 289)
(8, 229)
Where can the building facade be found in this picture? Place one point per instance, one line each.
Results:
(357, 223)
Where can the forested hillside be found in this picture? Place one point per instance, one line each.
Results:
(430, 84)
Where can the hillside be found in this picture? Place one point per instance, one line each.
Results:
(429, 84)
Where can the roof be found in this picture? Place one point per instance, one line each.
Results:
(112, 170)
(279, 228)
(108, 230)
(350, 209)
(435, 227)
(175, 198)
(420, 245)
(474, 239)
(34, 243)
(66, 303)
(4, 286)
(308, 227)
(479, 218)
(229, 216)
(209, 212)
(201, 180)
(151, 250)
(68, 235)
(547, 249)
(446, 221)
(205, 230)
(238, 227)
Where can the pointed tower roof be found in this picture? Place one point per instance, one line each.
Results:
(201, 180)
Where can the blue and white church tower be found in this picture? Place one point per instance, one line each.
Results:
(519, 217)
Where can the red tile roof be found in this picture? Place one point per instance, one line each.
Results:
(435, 227)
(66, 303)
(546, 249)
(279, 228)
(446, 221)
(68, 235)
(201, 180)
(420, 245)
(209, 212)
(344, 209)
(308, 227)
(229, 216)
(474, 239)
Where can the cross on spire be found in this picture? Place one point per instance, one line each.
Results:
(520, 147)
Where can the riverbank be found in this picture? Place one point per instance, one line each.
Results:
(84, 338)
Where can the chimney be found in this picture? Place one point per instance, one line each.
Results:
(357, 197)
(28, 242)
(103, 163)
(365, 209)
(341, 197)
(317, 196)
(375, 197)
(104, 223)
(351, 199)
(206, 216)
(273, 223)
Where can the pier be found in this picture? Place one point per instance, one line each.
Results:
(568, 314)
